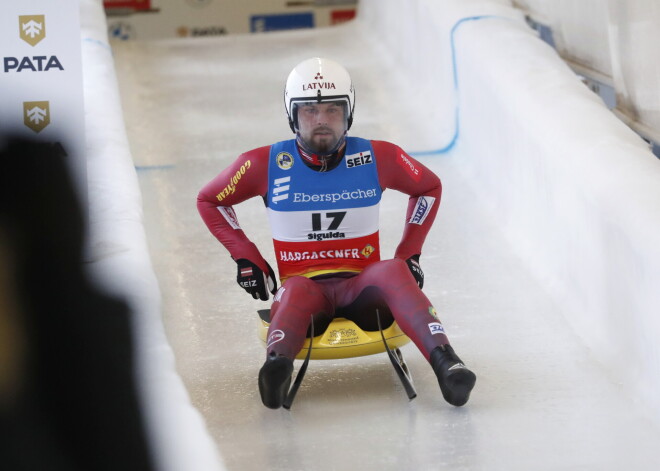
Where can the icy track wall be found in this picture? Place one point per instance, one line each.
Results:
(119, 258)
(576, 191)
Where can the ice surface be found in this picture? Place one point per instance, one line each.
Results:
(541, 402)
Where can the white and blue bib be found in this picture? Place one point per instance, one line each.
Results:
(323, 222)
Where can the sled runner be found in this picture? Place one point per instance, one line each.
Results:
(343, 338)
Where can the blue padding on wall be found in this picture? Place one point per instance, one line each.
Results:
(452, 42)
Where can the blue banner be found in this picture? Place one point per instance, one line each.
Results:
(263, 23)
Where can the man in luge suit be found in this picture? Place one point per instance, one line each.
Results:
(322, 191)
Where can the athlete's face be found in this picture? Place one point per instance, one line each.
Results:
(321, 125)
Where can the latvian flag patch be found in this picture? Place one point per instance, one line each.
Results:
(245, 272)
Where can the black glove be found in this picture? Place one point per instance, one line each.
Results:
(416, 270)
(254, 281)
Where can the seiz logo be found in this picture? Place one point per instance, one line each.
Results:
(281, 186)
(32, 28)
(422, 209)
(355, 160)
(436, 328)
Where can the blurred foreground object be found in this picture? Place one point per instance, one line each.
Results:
(67, 388)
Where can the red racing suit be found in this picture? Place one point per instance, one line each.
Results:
(352, 288)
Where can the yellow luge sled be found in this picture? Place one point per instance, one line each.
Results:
(345, 339)
(342, 339)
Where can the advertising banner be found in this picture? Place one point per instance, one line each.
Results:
(264, 23)
(159, 19)
(41, 89)
(127, 4)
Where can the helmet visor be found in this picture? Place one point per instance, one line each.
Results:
(325, 111)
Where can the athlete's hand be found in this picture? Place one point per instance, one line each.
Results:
(416, 270)
(253, 280)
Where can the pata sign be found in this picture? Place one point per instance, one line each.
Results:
(41, 88)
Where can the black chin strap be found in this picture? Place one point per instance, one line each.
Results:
(321, 162)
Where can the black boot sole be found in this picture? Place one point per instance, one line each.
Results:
(458, 386)
(274, 381)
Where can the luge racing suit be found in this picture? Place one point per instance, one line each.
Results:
(325, 228)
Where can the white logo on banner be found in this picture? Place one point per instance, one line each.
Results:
(33, 28)
(36, 114)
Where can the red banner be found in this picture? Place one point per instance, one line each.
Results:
(340, 16)
(127, 4)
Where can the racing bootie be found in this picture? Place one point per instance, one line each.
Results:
(274, 380)
(455, 379)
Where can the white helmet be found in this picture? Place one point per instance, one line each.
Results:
(318, 80)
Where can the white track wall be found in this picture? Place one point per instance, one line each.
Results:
(119, 258)
(615, 42)
(576, 191)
